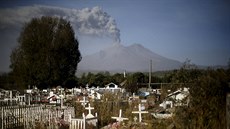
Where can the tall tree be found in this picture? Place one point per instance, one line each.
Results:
(134, 82)
(47, 53)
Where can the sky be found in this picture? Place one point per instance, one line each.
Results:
(179, 29)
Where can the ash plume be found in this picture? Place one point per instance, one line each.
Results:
(87, 21)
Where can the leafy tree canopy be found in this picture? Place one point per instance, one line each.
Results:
(207, 101)
(47, 53)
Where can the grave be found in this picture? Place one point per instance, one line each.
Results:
(139, 112)
(90, 115)
(120, 119)
(81, 123)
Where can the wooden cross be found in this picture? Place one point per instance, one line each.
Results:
(139, 112)
(119, 119)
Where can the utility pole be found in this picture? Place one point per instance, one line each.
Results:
(150, 74)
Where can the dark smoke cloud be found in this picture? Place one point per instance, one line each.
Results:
(88, 21)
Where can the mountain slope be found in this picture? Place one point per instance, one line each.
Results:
(132, 58)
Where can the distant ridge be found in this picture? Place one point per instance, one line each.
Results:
(133, 58)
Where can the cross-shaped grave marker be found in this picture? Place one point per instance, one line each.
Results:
(135, 119)
(139, 112)
(84, 101)
(89, 108)
(119, 119)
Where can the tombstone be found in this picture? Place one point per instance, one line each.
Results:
(139, 112)
(120, 119)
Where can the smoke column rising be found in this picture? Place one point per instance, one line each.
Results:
(87, 21)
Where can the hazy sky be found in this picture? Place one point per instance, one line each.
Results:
(179, 29)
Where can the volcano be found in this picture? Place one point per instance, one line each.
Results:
(133, 58)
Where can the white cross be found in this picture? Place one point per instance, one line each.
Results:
(119, 119)
(89, 108)
(84, 101)
(140, 112)
(135, 119)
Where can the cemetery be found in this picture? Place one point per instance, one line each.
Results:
(82, 108)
